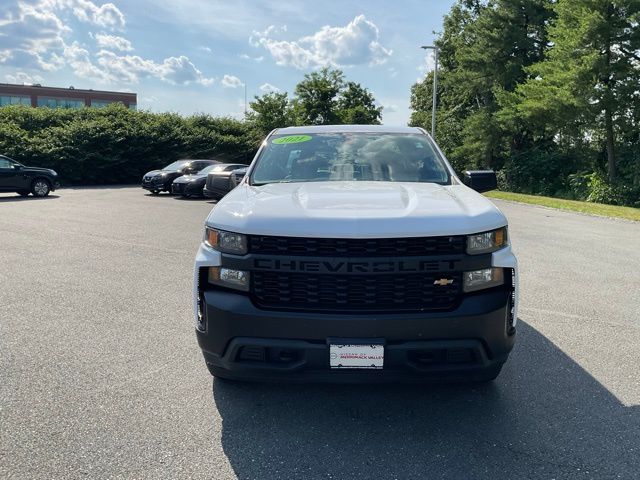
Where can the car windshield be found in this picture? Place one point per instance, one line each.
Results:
(383, 157)
(175, 166)
(212, 168)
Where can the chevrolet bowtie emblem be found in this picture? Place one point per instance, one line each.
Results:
(443, 281)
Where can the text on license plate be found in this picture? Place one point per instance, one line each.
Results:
(356, 356)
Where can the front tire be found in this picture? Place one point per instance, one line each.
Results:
(40, 187)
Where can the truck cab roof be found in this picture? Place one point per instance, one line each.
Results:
(316, 129)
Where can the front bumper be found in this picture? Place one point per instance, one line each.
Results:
(243, 342)
(467, 342)
(186, 189)
(151, 186)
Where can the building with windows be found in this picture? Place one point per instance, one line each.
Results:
(53, 97)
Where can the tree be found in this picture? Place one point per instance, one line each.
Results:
(321, 98)
(271, 110)
(316, 97)
(587, 86)
(484, 50)
(356, 105)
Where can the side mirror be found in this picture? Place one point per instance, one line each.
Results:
(480, 180)
(17, 166)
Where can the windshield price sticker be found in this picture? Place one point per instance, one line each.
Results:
(291, 139)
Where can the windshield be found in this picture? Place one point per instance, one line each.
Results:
(382, 157)
(212, 168)
(175, 166)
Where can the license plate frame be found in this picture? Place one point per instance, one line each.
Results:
(350, 354)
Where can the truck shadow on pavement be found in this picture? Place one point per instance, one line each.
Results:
(544, 417)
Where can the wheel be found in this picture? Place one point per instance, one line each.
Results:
(23, 193)
(155, 192)
(40, 187)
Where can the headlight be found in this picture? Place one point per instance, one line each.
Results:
(226, 242)
(487, 242)
(481, 279)
(227, 277)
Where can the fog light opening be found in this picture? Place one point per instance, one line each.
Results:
(230, 278)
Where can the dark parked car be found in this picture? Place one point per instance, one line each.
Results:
(15, 177)
(219, 183)
(237, 176)
(193, 184)
(158, 181)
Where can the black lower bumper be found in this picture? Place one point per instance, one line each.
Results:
(186, 189)
(156, 187)
(240, 341)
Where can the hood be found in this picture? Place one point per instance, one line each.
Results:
(191, 178)
(155, 173)
(355, 210)
(38, 169)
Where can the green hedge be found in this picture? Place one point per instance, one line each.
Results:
(110, 145)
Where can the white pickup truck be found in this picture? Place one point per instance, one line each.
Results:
(354, 253)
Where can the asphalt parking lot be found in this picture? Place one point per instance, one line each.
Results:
(101, 376)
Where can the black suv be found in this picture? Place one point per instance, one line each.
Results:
(157, 181)
(219, 182)
(15, 177)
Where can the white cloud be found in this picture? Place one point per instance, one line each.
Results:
(267, 87)
(247, 57)
(130, 68)
(357, 43)
(180, 70)
(31, 37)
(205, 49)
(106, 15)
(113, 42)
(230, 81)
(23, 78)
(114, 68)
(79, 60)
(428, 65)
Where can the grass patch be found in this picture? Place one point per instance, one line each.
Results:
(628, 213)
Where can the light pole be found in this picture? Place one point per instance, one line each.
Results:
(435, 87)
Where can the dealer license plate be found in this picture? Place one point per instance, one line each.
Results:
(356, 356)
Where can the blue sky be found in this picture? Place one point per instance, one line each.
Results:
(196, 55)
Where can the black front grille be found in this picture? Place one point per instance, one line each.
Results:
(356, 247)
(362, 293)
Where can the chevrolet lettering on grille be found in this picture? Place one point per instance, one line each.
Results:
(360, 266)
